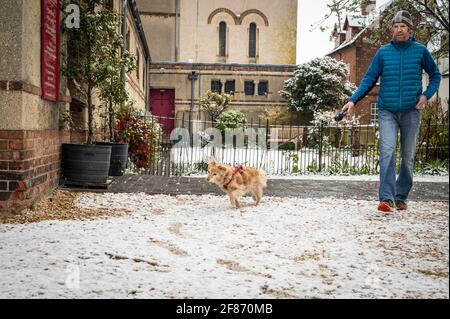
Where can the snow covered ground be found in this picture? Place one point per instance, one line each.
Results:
(201, 247)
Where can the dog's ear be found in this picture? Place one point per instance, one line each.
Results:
(222, 168)
(211, 160)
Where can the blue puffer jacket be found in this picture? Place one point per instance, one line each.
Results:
(400, 66)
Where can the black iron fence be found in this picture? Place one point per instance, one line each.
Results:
(286, 149)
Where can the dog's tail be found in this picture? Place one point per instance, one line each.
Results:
(263, 177)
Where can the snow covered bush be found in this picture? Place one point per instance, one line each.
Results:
(214, 103)
(324, 118)
(204, 137)
(318, 85)
(432, 167)
(231, 119)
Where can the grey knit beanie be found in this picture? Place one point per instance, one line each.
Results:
(403, 16)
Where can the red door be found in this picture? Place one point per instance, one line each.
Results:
(162, 105)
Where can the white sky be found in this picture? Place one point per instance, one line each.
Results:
(316, 43)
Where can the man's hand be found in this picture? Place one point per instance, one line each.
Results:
(422, 101)
(350, 106)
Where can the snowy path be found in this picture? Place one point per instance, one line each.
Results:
(200, 247)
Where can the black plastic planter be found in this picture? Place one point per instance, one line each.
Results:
(85, 164)
(119, 156)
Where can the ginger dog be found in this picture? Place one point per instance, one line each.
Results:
(237, 181)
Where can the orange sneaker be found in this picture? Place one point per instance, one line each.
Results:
(401, 205)
(386, 206)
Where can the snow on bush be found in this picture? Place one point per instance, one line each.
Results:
(320, 84)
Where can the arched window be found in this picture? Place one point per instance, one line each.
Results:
(252, 41)
(222, 38)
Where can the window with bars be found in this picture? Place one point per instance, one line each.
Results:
(252, 41)
(373, 113)
(230, 86)
(222, 38)
(216, 86)
(249, 88)
(263, 88)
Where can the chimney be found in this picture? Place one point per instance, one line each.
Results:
(367, 6)
(337, 36)
(341, 38)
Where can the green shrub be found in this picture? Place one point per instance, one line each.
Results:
(231, 119)
(142, 133)
(432, 167)
(312, 168)
(295, 166)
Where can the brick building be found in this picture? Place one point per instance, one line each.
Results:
(33, 95)
(351, 49)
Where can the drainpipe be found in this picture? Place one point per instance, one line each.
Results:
(146, 86)
(193, 76)
(124, 34)
(177, 30)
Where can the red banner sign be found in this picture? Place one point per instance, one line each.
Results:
(50, 49)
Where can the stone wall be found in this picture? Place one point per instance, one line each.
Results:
(175, 76)
(275, 37)
(193, 34)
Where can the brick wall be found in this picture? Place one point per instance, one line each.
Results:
(364, 55)
(78, 137)
(358, 56)
(29, 166)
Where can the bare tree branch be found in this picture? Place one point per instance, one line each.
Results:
(434, 14)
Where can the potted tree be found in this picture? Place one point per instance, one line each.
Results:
(113, 95)
(94, 61)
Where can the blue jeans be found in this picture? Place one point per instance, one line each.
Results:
(389, 125)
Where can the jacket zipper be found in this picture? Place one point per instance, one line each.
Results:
(401, 77)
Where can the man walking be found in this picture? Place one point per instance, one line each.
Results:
(400, 101)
